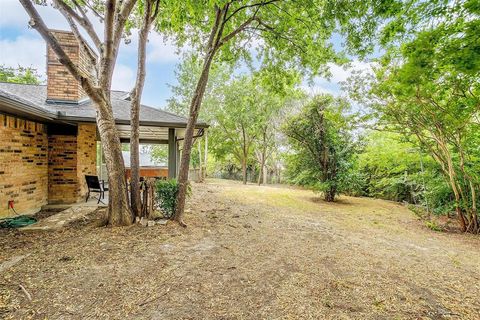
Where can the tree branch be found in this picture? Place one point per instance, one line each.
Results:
(81, 41)
(213, 33)
(142, 48)
(155, 12)
(107, 58)
(218, 35)
(82, 20)
(115, 19)
(89, 6)
(259, 4)
(279, 35)
(236, 31)
(38, 24)
(122, 17)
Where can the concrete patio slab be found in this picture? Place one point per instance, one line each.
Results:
(61, 219)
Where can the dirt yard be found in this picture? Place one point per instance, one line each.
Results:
(248, 253)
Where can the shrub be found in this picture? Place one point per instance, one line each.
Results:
(166, 196)
(166, 192)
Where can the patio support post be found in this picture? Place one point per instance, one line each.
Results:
(172, 154)
(177, 158)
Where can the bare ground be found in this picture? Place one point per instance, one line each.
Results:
(248, 253)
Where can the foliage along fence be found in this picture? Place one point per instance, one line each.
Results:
(234, 173)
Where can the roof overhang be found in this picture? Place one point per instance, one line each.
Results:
(20, 109)
(24, 110)
(162, 124)
(154, 134)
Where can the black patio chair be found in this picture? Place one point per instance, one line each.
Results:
(95, 185)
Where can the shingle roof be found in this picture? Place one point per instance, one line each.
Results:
(35, 96)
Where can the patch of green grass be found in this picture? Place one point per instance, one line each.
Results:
(379, 304)
(419, 212)
(455, 261)
(432, 225)
(275, 197)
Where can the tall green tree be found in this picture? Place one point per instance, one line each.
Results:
(273, 105)
(24, 75)
(244, 123)
(323, 145)
(237, 122)
(187, 73)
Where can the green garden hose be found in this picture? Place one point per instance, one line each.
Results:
(17, 222)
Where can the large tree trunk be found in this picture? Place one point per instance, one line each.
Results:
(119, 212)
(200, 170)
(265, 173)
(262, 168)
(442, 156)
(188, 141)
(98, 88)
(453, 184)
(135, 110)
(262, 158)
(135, 163)
(468, 181)
(244, 170)
(329, 195)
(205, 154)
(214, 42)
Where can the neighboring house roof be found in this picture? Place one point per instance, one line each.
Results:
(145, 160)
(32, 99)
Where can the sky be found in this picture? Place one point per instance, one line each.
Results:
(23, 46)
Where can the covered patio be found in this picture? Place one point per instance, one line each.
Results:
(162, 135)
(151, 135)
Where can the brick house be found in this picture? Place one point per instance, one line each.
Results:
(48, 135)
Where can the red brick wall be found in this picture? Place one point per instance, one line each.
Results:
(62, 169)
(37, 168)
(70, 159)
(86, 155)
(23, 165)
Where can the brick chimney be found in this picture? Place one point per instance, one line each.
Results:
(61, 85)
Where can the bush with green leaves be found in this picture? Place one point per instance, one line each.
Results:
(396, 168)
(166, 192)
(166, 196)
